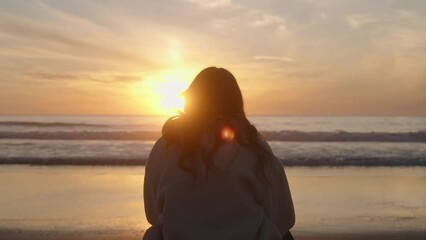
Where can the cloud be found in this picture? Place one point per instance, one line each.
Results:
(268, 19)
(211, 3)
(68, 20)
(52, 76)
(103, 77)
(126, 78)
(48, 37)
(359, 20)
(27, 29)
(273, 58)
(405, 14)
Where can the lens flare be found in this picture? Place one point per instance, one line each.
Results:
(227, 134)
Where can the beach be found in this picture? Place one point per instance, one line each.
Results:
(81, 177)
(106, 202)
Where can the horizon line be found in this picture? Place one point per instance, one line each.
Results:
(248, 115)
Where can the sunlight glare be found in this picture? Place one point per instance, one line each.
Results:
(164, 91)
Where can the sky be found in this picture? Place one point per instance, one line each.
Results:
(290, 57)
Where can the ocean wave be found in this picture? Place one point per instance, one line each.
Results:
(354, 161)
(290, 136)
(48, 124)
(82, 135)
(73, 161)
(300, 161)
(343, 136)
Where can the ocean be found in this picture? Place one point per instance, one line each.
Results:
(297, 141)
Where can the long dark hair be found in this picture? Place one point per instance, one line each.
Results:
(213, 104)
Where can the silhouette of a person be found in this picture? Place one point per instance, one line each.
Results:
(211, 175)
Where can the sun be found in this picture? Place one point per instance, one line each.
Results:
(162, 92)
(171, 97)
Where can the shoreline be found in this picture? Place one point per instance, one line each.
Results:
(130, 234)
(352, 162)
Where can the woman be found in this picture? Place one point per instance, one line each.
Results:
(211, 175)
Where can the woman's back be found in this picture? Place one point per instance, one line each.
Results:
(230, 202)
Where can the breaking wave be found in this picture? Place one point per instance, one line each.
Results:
(48, 124)
(290, 136)
(300, 161)
(343, 136)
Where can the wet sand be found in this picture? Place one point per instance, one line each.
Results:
(130, 235)
(75, 202)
